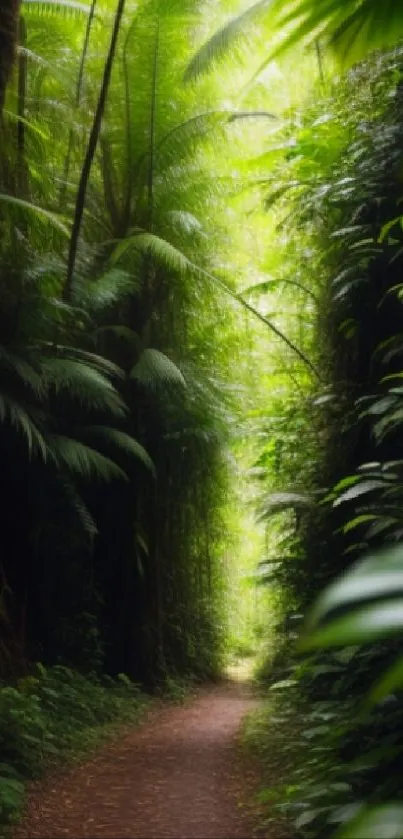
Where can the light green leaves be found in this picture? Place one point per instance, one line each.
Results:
(352, 28)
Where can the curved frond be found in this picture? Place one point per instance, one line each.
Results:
(154, 369)
(124, 442)
(162, 251)
(56, 7)
(99, 295)
(39, 212)
(97, 362)
(353, 28)
(83, 460)
(84, 384)
(22, 369)
(221, 42)
(13, 413)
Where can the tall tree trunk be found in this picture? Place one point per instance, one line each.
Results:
(9, 16)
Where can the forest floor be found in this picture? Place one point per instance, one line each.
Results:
(179, 775)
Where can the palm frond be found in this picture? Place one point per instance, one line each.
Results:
(123, 442)
(154, 369)
(13, 413)
(84, 384)
(83, 460)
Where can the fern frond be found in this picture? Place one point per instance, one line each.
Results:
(154, 369)
(99, 295)
(98, 362)
(13, 413)
(83, 384)
(221, 42)
(80, 509)
(22, 369)
(123, 442)
(353, 28)
(83, 460)
(32, 209)
(152, 245)
(55, 7)
(184, 222)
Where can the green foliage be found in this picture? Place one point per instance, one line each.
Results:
(118, 359)
(353, 28)
(329, 463)
(55, 714)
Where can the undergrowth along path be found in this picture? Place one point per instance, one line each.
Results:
(180, 775)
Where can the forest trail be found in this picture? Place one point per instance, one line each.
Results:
(177, 776)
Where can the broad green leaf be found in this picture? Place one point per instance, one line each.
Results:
(376, 576)
(384, 822)
(358, 520)
(359, 489)
(363, 626)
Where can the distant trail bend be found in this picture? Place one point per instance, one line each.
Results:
(179, 775)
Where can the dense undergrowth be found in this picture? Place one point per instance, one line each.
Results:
(335, 714)
(56, 715)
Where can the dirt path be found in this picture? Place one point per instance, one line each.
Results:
(178, 776)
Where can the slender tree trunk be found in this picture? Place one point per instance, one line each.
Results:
(22, 174)
(9, 17)
(77, 102)
(90, 153)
